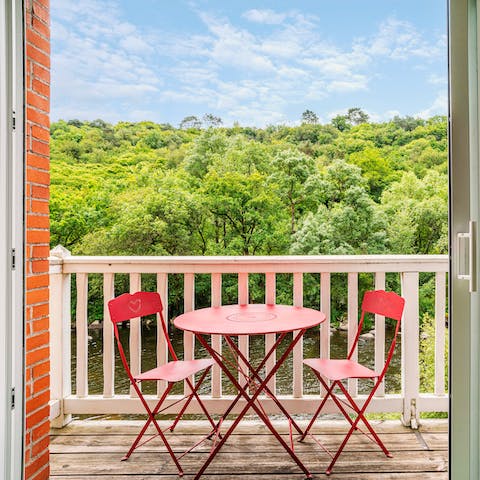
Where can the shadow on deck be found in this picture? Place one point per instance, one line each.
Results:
(89, 449)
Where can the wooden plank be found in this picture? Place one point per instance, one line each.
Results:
(270, 299)
(162, 345)
(440, 303)
(188, 337)
(243, 343)
(251, 427)
(380, 336)
(278, 475)
(238, 443)
(227, 463)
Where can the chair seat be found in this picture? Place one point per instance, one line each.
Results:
(339, 369)
(176, 371)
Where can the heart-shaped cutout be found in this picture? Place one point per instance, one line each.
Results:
(135, 305)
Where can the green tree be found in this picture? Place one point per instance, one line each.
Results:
(310, 117)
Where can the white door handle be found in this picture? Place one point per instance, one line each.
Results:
(466, 256)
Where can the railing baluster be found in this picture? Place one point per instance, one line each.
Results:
(216, 339)
(352, 325)
(325, 326)
(108, 345)
(188, 337)
(82, 334)
(440, 302)
(410, 349)
(270, 299)
(298, 349)
(380, 336)
(162, 349)
(243, 339)
(135, 339)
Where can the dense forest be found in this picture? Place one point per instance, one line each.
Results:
(347, 187)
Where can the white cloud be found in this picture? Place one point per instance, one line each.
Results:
(264, 16)
(438, 107)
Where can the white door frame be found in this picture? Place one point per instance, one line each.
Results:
(464, 22)
(11, 239)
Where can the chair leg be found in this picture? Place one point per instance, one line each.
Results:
(151, 419)
(194, 393)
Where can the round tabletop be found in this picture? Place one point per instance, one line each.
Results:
(252, 319)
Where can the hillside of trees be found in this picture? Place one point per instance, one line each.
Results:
(347, 187)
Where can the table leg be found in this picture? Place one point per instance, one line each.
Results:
(251, 404)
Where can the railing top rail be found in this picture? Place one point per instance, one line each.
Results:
(253, 264)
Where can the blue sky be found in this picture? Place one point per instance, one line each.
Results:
(255, 63)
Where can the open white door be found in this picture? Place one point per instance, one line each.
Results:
(464, 221)
(11, 240)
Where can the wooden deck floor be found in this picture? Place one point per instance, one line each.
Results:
(92, 450)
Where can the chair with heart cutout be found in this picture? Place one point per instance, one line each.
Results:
(127, 307)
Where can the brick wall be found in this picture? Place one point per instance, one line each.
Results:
(37, 86)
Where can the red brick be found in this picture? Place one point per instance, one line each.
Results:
(36, 341)
(40, 430)
(37, 101)
(40, 446)
(41, 73)
(37, 117)
(42, 384)
(40, 325)
(36, 465)
(37, 296)
(38, 221)
(39, 266)
(41, 87)
(41, 27)
(41, 133)
(40, 413)
(36, 356)
(42, 148)
(41, 369)
(38, 56)
(40, 311)
(38, 176)
(36, 402)
(37, 281)
(38, 206)
(43, 474)
(41, 252)
(38, 236)
(37, 161)
(37, 40)
(40, 10)
(40, 192)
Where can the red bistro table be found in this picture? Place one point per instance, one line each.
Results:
(256, 319)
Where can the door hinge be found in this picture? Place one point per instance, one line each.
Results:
(13, 259)
(13, 120)
(12, 398)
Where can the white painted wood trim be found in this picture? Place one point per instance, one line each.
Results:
(162, 347)
(188, 337)
(440, 304)
(216, 289)
(108, 338)
(298, 349)
(243, 343)
(135, 339)
(352, 325)
(380, 336)
(410, 349)
(270, 299)
(82, 335)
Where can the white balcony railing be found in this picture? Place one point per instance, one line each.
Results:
(407, 269)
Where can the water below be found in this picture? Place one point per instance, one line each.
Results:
(257, 348)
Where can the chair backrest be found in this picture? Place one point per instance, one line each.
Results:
(140, 304)
(387, 304)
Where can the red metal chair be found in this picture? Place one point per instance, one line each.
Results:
(124, 308)
(387, 304)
